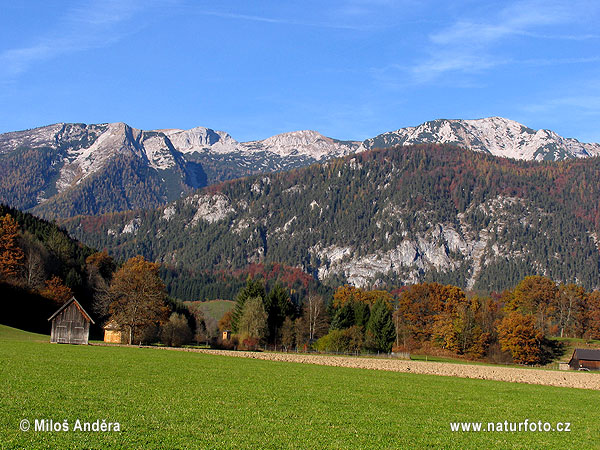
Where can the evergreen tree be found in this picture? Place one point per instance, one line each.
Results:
(278, 306)
(343, 318)
(361, 314)
(380, 327)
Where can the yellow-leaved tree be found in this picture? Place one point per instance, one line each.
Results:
(138, 297)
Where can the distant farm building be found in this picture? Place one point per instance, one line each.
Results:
(226, 335)
(585, 359)
(70, 324)
(113, 333)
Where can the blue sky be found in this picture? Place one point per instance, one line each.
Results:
(350, 69)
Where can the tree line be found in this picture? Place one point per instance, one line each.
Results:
(516, 325)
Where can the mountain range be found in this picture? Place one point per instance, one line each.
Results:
(64, 170)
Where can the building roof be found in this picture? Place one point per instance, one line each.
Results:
(112, 325)
(588, 354)
(79, 307)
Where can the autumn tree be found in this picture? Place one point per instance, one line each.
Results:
(253, 289)
(534, 295)
(138, 296)
(11, 255)
(351, 294)
(56, 291)
(253, 321)
(518, 334)
(416, 311)
(593, 315)
(101, 263)
(176, 331)
(225, 321)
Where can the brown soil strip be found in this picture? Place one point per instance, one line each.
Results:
(572, 379)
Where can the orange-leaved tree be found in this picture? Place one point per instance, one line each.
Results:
(11, 255)
(534, 295)
(593, 315)
(518, 334)
(56, 290)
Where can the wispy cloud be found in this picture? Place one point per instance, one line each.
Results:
(585, 104)
(470, 45)
(279, 20)
(92, 24)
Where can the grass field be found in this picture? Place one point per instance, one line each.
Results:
(165, 399)
(215, 308)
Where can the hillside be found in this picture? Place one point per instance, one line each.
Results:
(48, 253)
(63, 170)
(381, 218)
(213, 309)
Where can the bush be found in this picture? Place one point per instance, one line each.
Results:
(176, 331)
(336, 341)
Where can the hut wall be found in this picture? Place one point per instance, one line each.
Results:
(591, 365)
(70, 327)
(112, 336)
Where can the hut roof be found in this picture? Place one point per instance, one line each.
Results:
(586, 353)
(112, 325)
(79, 307)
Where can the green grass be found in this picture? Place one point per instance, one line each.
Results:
(168, 399)
(13, 334)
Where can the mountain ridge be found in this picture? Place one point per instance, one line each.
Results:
(68, 164)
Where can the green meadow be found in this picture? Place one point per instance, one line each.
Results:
(179, 400)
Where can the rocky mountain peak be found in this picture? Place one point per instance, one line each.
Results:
(495, 135)
(308, 143)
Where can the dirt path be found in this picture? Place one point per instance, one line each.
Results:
(582, 380)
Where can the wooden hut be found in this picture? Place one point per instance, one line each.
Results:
(226, 335)
(585, 359)
(113, 333)
(70, 324)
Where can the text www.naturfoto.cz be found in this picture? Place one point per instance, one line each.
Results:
(511, 427)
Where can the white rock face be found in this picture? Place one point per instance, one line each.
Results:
(132, 226)
(210, 208)
(202, 139)
(441, 247)
(169, 212)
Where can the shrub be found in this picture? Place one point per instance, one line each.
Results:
(176, 331)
